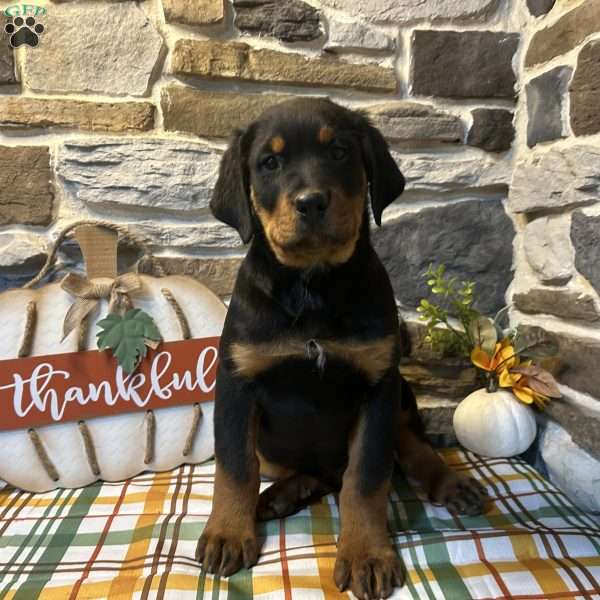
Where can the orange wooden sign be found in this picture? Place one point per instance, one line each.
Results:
(41, 390)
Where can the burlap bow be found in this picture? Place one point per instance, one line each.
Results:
(89, 292)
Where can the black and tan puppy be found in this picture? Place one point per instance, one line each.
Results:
(308, 390)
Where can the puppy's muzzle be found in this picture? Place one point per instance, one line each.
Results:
(312, 206)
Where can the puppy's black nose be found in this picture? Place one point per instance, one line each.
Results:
(312, 206)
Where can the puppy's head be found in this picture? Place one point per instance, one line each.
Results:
(303, 173)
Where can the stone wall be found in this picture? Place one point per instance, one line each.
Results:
(128, 122)
(554, 195)
(124, 108)
(123, 111)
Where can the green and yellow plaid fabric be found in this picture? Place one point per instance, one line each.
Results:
(137, 540)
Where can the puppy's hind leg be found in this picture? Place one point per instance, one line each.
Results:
(287, 496)
(421, 463)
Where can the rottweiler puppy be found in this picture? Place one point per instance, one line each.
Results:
(308, 391)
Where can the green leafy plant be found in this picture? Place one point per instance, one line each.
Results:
(455, 327)
(455, 298)
(128, 337)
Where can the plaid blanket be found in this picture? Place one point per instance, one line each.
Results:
(137, 540)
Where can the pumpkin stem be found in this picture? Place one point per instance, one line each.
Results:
(491, 385)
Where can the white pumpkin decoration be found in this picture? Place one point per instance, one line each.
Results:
(181, 434)
(494, 424)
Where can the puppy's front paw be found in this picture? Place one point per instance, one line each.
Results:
(225, 551)
(460, 494)
(371, 574)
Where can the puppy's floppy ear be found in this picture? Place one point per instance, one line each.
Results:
(230, 201)
(386, 182)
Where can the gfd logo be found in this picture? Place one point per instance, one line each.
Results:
(24, 27)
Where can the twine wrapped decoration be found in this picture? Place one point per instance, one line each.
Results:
(61, 317)
(89, 293)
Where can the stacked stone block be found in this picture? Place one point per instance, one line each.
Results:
(555, 191)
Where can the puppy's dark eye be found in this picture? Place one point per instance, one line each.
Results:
(270, 163)
(338, 152)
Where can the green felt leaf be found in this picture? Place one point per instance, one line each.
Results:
(126, 336)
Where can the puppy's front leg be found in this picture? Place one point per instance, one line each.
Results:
(228, 541)
(366, 561)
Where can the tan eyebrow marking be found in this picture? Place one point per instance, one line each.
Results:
(277, 144)
(325, 134)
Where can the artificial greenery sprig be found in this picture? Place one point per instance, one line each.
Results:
(496, 351)
(455, 297)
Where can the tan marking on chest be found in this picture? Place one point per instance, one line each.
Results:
(372, 357)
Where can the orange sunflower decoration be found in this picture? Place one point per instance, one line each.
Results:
(529, 383)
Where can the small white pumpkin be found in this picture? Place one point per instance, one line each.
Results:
(494, 424)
